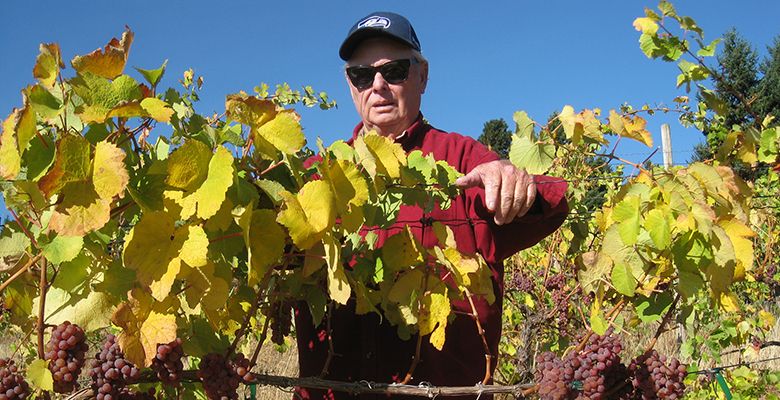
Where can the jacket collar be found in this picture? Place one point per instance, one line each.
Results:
(417, 128)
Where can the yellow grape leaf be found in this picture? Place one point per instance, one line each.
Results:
(729, 302)
(741, 238)
(401, 251)
(91, 312)
(646, 25)
(140, 343)
(108, 62)
(157, 109)
(249, 110)
(433, 319)
(314, 260)
(48, 64)
(193, 251)
(265, 242)
(147, 245)
(569, 122)
(348, 184)
(767, 319)
(408, 283)
(284, 132)
(73, 164)
(10, 159)
(380, 155)
(635, 129)
(338, 285)
(208, 198)
(188, 165)
(39, 375)
(81, 210)
(308, 214)
(109, 174)
(204, 287)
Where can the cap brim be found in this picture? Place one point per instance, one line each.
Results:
(352, 41)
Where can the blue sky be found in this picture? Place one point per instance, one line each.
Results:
(488, 59)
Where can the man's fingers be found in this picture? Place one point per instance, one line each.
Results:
(492, 184)
(506, 211)
(472, 179)
(530, 197)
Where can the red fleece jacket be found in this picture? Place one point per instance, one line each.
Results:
(368, 348)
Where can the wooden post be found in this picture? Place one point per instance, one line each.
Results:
(666, 145)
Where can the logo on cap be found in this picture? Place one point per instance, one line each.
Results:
(374, 22)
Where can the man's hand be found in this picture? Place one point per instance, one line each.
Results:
(509, 192)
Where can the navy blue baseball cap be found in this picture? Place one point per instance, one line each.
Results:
(381, 23)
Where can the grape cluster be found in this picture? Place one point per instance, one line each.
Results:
(598, 368)
(556, 285)
(521, 282)
(65, 352)
(596, 372)
(281, 321)
(653, 378)
(12, 384)
(220, 380)
(550, 374)
(167, 363)
(111, 372)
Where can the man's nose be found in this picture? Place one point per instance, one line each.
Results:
(379, 83)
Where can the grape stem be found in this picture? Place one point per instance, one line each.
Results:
(331, 349)
(612, 314)
(488, 356)
(260, 342)
(24, 228)
(20, 272)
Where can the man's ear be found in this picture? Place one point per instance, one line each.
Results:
(424, 76)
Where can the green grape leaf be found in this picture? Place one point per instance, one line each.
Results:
(524, 125)
(48, 64)
(404, 289)
(769, 145)
(623, 280)
(153, 76)
(598, 323)
(308, 214)
(379, 155)
(101, 96)
(626, 213)
(39, 375)
(534, 157)
(107, 63)
(63, 248)
(657, 225)
(43, 102)
(651, 309)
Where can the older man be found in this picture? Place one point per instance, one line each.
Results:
(503, 210)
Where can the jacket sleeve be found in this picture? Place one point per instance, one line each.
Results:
(498, 242)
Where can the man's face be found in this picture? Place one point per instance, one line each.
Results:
(385, 107)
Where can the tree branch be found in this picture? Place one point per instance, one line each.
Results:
(20, 272)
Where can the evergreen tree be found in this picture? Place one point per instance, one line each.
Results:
(738, 63)
(768, 101)
(496, 136)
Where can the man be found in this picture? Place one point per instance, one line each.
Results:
(503, 210)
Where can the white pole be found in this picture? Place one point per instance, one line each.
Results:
(666, 145)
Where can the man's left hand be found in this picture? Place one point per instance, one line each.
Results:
(509, 192)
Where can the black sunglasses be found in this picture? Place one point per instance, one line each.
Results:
(396, 71)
